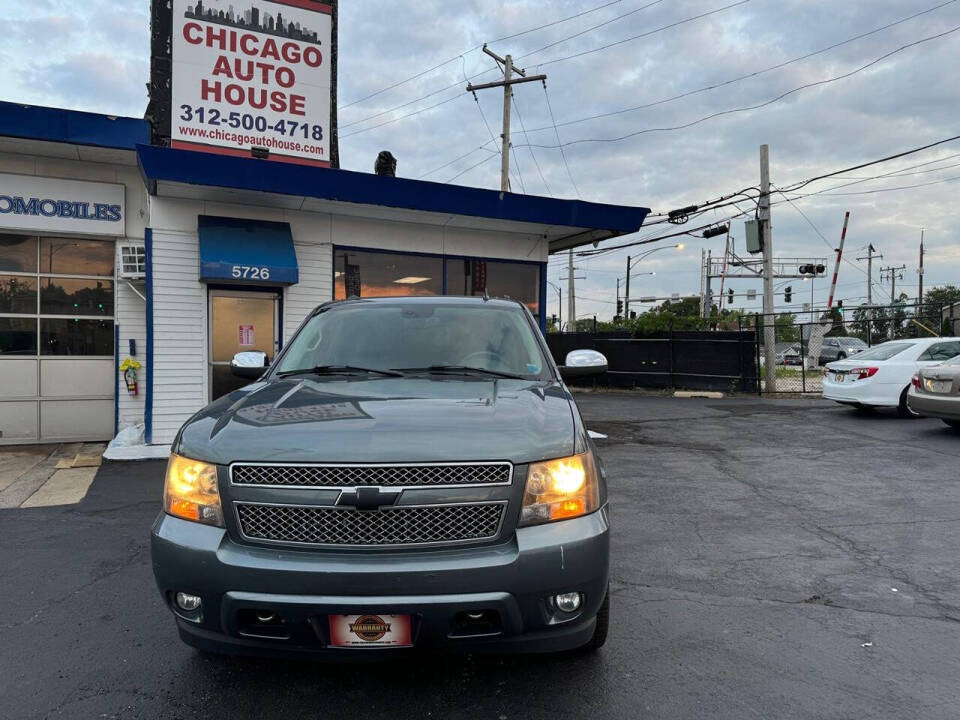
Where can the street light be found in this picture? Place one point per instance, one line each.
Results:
(633, 261)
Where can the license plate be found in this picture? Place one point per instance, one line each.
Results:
(370, 630)
(837, 377)
(939, 386)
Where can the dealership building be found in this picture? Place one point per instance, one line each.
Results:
(115, 253)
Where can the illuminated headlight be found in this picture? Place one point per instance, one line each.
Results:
(190, 491)
(560, 489)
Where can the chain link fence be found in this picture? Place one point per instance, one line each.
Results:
(802, 349)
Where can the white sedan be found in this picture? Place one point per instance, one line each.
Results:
(880, 376)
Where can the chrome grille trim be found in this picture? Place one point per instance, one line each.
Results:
(396, 526)
(329, 476)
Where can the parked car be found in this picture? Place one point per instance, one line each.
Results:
(409, 472)
(935, 392)
(882, 375)
(789, 354)
(840, 348)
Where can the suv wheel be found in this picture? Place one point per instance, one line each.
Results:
(903, 409)
(841, 356)
(602, 627)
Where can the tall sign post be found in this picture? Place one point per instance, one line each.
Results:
(246, 77)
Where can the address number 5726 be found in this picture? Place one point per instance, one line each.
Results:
(248, 272)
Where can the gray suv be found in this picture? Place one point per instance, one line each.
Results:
(408, 473)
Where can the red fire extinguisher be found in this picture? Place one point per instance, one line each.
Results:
(129, 368)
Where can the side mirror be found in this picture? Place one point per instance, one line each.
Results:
(583, 363)
(249, 365)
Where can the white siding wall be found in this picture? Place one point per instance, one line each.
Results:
(179, 333)
(131, 325)
(316, 284)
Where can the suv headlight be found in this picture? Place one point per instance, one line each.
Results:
(190, 491)
(560, 489)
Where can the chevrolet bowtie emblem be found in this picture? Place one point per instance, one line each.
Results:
(368, 498)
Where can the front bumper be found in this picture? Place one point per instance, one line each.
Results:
(513, 579)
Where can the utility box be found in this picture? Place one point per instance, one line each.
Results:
(754, 237)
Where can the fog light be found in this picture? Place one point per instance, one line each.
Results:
(567, 602)
(188, 602)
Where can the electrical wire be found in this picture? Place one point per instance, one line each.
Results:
(563, 154)
(748, 76)
(485, 72)
(458, 159)
(532, 155)
(757, 106)
(473, 49)
(464, 172)
(641, 35)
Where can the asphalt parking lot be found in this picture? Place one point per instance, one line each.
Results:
(771, 559)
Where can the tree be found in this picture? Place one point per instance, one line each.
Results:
(935, 299)
(786, 329)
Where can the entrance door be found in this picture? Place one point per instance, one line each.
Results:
(240, 322)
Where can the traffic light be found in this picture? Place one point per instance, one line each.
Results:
(619, 307)
(731, 295)
(840, 307)
(788, 295)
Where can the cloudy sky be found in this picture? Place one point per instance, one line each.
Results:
(94, 56)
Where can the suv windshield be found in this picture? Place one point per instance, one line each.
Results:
(884, 352)
(417, 336)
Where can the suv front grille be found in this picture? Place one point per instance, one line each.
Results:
(376, 475)
(413, 525)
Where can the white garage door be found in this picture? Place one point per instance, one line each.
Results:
(56, 339)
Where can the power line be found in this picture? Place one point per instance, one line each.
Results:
(563, 154)
(590, 29)
(404, 117)
(758, 105)
(516, 106)
(473, 49)
(458, 159)
(464, 172)
(642, 35)
(484, 72)
(826, 193)
(748, 75)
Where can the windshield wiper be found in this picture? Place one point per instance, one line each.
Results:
(465, 370)
(340, 370)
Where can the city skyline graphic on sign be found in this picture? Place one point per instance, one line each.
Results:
(253, 19)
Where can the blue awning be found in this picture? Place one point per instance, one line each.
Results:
(247, 251)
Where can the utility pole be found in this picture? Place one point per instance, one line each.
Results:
(892, 273)
(507, 84)
(618, 298)
(571, 295)
(920, 273)
(626, 299)
(871, 254)
(763, 215)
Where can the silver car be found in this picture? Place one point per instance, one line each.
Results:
(935, 392)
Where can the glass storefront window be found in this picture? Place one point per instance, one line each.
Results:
(18, 253)
(18, 294)
(76, 337)
(372, 274)
(363, 273)
(519, 281)
(66, 256)
(69, 296)
(18, 336)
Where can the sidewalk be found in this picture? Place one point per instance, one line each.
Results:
(46, 475)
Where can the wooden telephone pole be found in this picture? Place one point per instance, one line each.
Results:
(507, 84)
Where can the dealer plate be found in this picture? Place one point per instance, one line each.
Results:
(837, 377)
(939, 386)
(370, 630)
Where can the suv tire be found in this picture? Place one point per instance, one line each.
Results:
(903, 409)
(602, 627)
(841, 356)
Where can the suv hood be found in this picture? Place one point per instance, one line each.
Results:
(422, 419)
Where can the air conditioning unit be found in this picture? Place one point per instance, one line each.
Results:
(131, 262)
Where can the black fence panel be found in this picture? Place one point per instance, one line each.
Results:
(724, 361)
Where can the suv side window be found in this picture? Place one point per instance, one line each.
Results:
(831, 342)
(941, 351)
